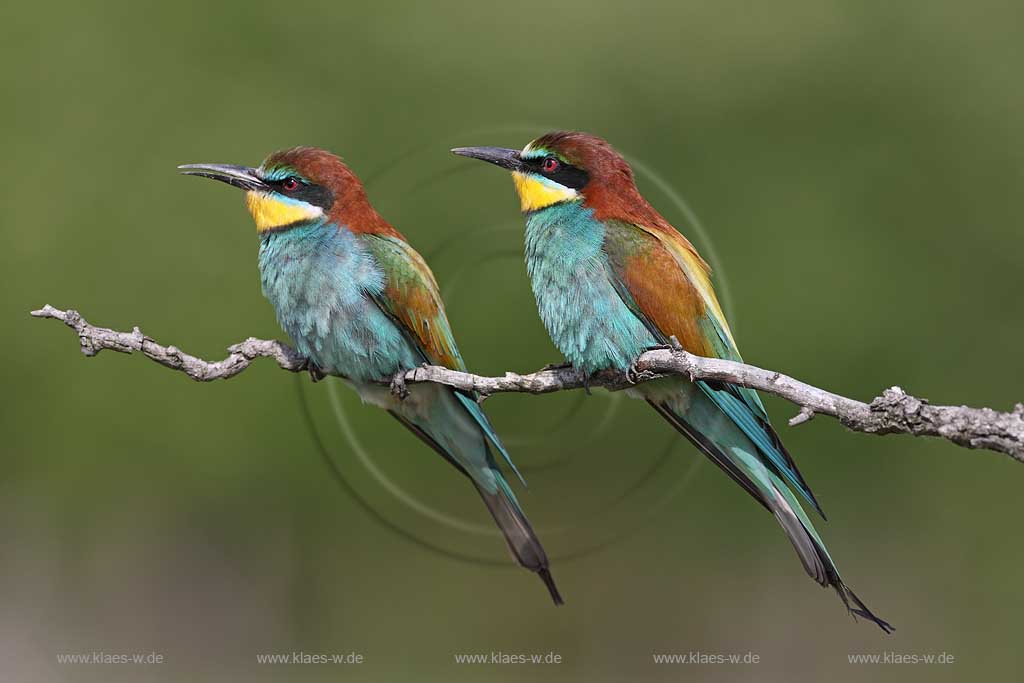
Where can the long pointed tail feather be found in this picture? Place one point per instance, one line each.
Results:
(861, 610)
(504, 508)
(519, 535)
(735, 454)
(816, 560)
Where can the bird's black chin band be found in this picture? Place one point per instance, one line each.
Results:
(267, 232)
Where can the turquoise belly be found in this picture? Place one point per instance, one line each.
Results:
(580, 308)
(321, 282)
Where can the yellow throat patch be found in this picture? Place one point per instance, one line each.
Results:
(271, 213)
(535, 194)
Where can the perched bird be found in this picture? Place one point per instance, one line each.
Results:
(613, 279)
(361, 304)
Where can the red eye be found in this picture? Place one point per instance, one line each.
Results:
(550, 165)
(290, 184)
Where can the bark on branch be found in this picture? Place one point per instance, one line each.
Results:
(894, 412)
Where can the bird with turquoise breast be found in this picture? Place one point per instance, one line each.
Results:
(612, 279)
(361, 304)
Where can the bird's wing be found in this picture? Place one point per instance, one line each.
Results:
(664, 281)
(411, 298)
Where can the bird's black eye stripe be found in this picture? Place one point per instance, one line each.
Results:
(298, 188)
(564, 173)
(287, 184)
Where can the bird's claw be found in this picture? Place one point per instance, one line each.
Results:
(315, 373)
(398, 388)
(633, 371)
(672, 345)
(635, 375)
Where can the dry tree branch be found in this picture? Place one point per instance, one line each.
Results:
(894, 412)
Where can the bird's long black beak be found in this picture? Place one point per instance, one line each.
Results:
(499, 156)
(239, 176)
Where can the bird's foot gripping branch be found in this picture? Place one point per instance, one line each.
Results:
(894, 412)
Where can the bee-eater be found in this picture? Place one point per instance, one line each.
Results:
(612, 279)
(361, 304)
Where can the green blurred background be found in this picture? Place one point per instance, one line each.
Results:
(858, 168)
